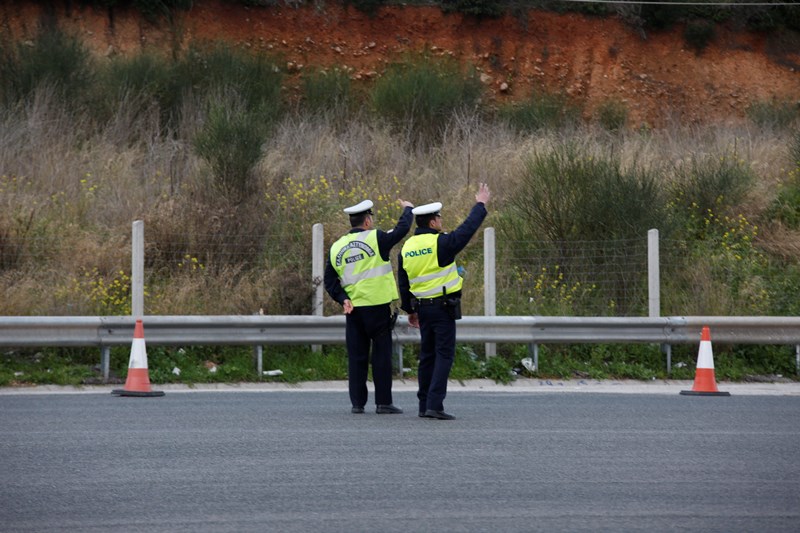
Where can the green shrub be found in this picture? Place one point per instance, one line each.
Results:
(328, 92)
(717, 267)
(54, 59)
(566, 197)
(569, 193)
(152, 10)
(214, 68)
(466, 364)
(612, 114)
(709, 186)
(420, 96)
(712, 13)
(763, 18)
(743, 362)
(794, 150)
(540, 111)
(791, 16)
(477, 8)
(230, 364)
(602, 361)
(370, 7)
(586, 8)
(662, 16)
(57, 366)
(698, 34)
(774, 113)
(258, 3)
(498, 369)
(626, 361)
(201, 75)
(102, 294)
(784, 278)
(146, 79)
(145, 75)
(230, 141)
(786, 207)
(736, 363)
(25, 235)
(8, 72)
(242, 94)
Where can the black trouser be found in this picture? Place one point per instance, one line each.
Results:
(436, 355)
(369, 327)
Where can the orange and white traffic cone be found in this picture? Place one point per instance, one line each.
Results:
(705, 384)
(138, 382)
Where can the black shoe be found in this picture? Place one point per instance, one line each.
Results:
(357, 410)
(422, 414)
(438, 415)
(388, 410)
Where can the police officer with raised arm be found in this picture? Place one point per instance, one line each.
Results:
(430, 292)
(359, 276)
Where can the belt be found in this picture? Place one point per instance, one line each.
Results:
(431, 301)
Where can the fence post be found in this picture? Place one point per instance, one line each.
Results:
(489, 282)
(654, 288)
(317, 272)
(137, 288)
(653, 275)
(137, 269)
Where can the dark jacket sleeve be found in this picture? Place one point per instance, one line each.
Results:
(404, 286)
(387, 239)
(452, 243)
(333, 286)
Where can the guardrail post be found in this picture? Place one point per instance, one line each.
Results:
(533, 351)
(489, 287)
(317, 272)
(797, 358)
(258, 359)
(137, 269)
(667, 348)
(397, 348)
(105, 362)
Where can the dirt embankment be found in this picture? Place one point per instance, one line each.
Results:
(591, 59)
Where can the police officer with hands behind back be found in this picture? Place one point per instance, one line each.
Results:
(430, 292)
(359, 277)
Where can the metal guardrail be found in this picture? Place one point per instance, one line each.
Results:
(260, 330)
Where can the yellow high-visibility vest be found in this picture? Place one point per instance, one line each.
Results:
(426, 278)
(365, 276)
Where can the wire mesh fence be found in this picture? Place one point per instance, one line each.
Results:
(271, 273)
(607, 278)
(709, 277)
(184, 274)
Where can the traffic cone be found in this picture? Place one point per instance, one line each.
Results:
(705, 384)
(138, 382)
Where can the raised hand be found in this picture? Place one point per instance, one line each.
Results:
(483, 194)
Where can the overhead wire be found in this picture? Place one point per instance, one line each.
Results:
(679, 3)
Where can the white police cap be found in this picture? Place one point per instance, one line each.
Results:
(361, 207)
(427, 209)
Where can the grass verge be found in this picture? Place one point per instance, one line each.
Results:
(211, 364)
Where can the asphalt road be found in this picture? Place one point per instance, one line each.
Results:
(299, 461)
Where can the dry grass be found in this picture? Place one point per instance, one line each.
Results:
(780, 241)
(79, 186)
